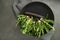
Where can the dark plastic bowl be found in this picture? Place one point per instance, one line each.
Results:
(41, 9)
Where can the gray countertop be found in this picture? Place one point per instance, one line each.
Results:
(8, 22)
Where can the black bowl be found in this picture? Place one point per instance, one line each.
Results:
(40, 9)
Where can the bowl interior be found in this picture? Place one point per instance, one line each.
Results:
(38, 8)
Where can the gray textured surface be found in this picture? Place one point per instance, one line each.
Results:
(8, 22)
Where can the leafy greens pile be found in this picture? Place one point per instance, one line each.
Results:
(35, 28)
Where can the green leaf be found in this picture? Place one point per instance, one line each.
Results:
(32, 27)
